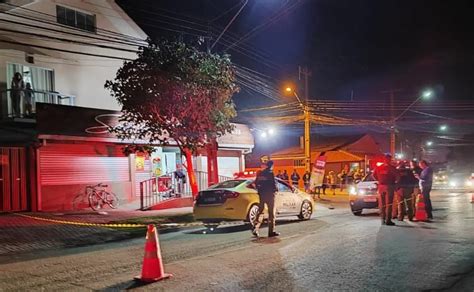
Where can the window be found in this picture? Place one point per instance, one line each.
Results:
(298, 162)
(283, 187)
(75, 18)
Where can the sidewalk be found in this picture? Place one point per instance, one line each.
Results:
(20, 234)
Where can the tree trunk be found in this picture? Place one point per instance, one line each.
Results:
(212, 168)
(191, 174)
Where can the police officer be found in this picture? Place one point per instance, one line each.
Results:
(266, 187)
(387, 176)
(406, 185)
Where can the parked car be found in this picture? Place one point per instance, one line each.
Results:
(237, 200)
(441, 178)
(363, 195)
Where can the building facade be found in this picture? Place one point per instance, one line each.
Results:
(66, 50)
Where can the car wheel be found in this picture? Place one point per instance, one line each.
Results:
(306, 211)
(357, 212)
(252, 215)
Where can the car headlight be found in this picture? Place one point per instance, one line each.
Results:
(444, 177)
(453, 183)
(435, 177)
(362, 192)
(353, 191)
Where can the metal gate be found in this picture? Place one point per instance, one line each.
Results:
(13, 179)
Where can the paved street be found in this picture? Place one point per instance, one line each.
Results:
(333, 251)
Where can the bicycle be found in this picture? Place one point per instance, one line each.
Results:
(99, 196)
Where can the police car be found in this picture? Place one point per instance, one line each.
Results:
(237, 200)
(363, 195)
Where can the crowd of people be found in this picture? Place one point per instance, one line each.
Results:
(398, 189)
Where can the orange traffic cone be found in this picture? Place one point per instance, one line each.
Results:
(152, 270)
(420, 214)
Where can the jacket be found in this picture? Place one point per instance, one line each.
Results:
(386, 174)
(407, 178)
(426, 178)
(265, 182)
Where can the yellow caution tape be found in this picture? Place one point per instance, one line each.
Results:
(125, 225)
(118, 225)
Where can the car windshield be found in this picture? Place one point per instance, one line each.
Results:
(369, 177)
(228, 184)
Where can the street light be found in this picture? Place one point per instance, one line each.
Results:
(429, 143)
(307, 125)
(443, 128)
(427, 94)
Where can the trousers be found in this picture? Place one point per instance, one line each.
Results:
(269, 200)
(386, 193)
(405, 204)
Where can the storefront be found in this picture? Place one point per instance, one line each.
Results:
(76, 150)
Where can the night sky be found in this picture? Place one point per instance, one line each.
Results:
(355, 48)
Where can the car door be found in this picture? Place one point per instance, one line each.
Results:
(285, 199)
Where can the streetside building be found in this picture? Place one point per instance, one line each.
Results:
(71, 148)
(66, 50)
(356, 151)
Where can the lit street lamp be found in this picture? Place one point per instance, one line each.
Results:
(429, 143)
(443, 128)
(307, 125)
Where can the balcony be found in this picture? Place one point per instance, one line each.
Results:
(25, 112)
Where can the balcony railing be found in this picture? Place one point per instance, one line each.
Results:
(11, 108)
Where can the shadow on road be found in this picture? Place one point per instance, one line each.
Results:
(128, 285)
(237, 228)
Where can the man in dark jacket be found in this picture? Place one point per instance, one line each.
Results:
(386, 176)
(426, 182)
(295, 178)
(416, 170)
(285, 177)
(406, 185)
(266, 187)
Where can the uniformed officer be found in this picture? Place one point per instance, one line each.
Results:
(406, 184)
(266, 187)
(387, 176)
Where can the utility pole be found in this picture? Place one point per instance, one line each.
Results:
(307, 124)
(392, 119)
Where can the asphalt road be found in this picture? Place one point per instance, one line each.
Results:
(334, 251)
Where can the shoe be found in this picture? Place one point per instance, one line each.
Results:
(255, 232)
(400, 219)
(273, 234)
(389, 223)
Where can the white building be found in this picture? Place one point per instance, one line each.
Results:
(66, 46)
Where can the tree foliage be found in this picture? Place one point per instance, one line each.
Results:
(173, 90)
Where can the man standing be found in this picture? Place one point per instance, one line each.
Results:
(406, 184)
(386, 176)
(295, 178)
(416, 170)
(285, 177)
(306, 178)
(279, 175)
(266, 187)
(426, 182)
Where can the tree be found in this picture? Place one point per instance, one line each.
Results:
(174, 92)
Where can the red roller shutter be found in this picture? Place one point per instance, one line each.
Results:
(67, 164)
